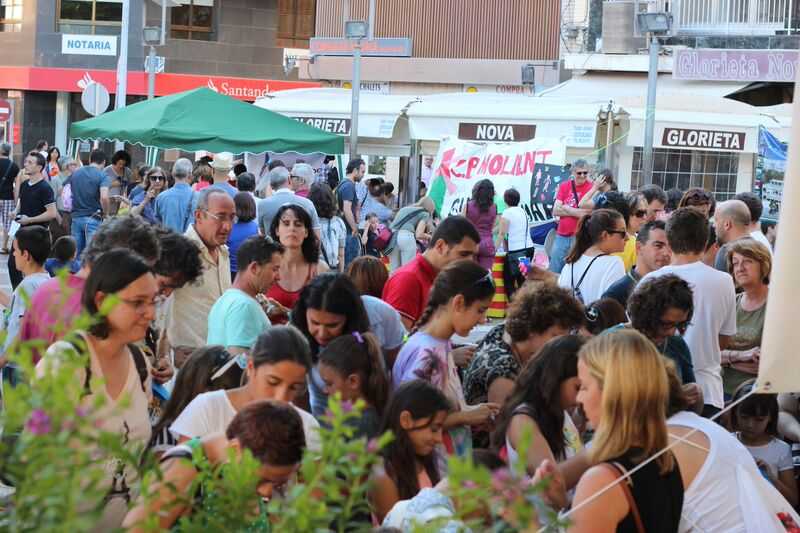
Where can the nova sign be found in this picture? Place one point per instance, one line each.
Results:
(473, 131)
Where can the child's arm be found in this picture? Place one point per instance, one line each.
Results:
(787, 485)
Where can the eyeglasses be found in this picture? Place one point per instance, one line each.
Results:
(140, 305)
(240, 360)
(221, 218)
(680, 326)
(640, 213)
(582, 173)
(485, 280)
(621, 232)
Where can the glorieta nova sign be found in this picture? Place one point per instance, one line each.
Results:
(90, 45)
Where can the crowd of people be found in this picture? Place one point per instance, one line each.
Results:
(253, 301)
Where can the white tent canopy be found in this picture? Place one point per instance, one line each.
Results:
(382, 124)
(440, 115)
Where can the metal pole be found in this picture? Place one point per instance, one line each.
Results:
(609, 137)
(354, 105)
(151, 73)
(163, 22)
(122, 62)
(371, 20)
(650, 117)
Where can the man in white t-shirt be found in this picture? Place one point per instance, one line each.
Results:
(714, 319)
(754, 205)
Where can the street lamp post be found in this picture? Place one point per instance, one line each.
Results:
(654, 25)
(152, 37)
(355, 30)
(122, 61)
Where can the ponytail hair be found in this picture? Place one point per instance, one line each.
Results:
(360, 353)
(464, 277)
(590, 229)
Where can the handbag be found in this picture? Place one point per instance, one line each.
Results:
(619, 471)
(385, 239)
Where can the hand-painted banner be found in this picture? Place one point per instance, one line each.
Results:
(535, 168)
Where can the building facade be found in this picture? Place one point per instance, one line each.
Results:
(52, 48)
(470, 45)
(713, 50)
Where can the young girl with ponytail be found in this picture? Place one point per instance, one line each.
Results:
(590, 268)
(458, 301)
(352, 366)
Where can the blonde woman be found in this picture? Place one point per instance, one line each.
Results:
(624, 392)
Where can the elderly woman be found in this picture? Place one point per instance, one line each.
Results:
(750, 264)
(301, 179)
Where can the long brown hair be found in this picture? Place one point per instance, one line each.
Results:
(590, 230)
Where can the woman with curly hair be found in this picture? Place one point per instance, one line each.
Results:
(539, 312)
(661, 309)
(482, 212)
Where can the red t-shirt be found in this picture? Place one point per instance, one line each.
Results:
(407, 289)
(568, 225)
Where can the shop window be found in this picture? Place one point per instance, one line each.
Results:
(296, 22)
(10, 15)
(94, 17)
(193, 19)
(682, 169)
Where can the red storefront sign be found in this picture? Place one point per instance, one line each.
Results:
(74, 80)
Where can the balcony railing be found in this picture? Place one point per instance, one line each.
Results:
(731, 17)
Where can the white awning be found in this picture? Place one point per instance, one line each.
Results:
(440, 115)
(693, 115)
(382, 126)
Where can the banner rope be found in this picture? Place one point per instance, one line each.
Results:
(638, 467)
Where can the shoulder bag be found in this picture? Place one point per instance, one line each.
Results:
(576, 289)
(619, 471)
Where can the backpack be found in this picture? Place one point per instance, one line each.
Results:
(138, 360)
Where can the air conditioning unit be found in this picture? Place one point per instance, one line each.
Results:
(619, 28)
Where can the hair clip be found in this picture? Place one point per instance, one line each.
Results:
(592, 314)
(358, 337)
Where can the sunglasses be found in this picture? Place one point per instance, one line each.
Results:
(584, 173)
(226, 361)
(485, 280)
(680, 326)
(157, 178)
(620, 232)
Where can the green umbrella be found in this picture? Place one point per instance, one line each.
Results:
(202, 119)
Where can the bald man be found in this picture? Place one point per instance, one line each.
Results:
(732, 222)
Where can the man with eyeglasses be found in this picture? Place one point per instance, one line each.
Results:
(283, 194)
(566, 209)
(652, 253)
(187, 319)
(90, 199)
(714, 300)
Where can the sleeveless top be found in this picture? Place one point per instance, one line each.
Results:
(484, 221)
(571, 437)
(289, 298)
(659, 498)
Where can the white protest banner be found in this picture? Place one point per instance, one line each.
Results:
(534, 168)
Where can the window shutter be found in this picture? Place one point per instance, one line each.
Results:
(296, 22)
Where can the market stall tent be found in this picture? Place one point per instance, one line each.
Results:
(202, 119)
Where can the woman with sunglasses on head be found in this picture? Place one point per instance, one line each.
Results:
(276, 370)
(207, 369)
(700, 200)
(143, 196)
(590, 268)
(117, 371)
(458, 301)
